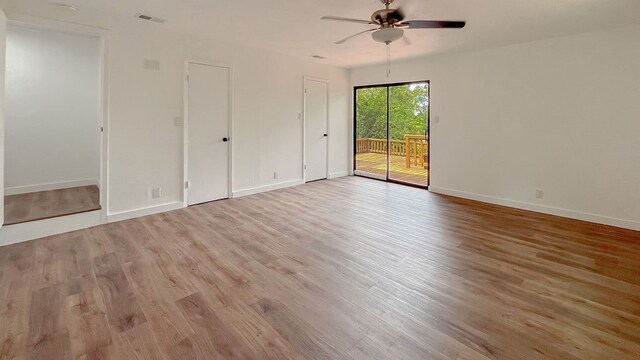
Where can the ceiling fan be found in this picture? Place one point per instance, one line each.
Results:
(391, 24)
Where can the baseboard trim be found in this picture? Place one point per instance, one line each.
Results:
(145, 211)
(338, 174)
(550, 210)
(16, 190)
(13, 234)
(265, 188)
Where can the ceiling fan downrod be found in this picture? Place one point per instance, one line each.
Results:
(387, 3)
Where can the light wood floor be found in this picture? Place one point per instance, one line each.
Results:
(49, 204)
(342, 269)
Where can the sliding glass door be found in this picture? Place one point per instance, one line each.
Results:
(392, 132)
(371, 132)
(408, 133)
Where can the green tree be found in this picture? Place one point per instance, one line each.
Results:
(408, 111)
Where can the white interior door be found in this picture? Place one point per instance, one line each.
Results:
(208, 133)
(316, 135)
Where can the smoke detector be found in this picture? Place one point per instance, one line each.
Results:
(151, 18)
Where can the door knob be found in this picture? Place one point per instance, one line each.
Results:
(225, 139)
(325, 135)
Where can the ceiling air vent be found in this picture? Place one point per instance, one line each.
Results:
(150, 18)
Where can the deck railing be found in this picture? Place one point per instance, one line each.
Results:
(414, 148)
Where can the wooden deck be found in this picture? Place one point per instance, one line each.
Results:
(376, 164)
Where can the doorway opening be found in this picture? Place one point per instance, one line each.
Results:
(54, 148)
(391, 132)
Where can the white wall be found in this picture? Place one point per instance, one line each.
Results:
(53, 87)
(145, 145)
(561, 115)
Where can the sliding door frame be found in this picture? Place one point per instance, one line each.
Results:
(355, 131)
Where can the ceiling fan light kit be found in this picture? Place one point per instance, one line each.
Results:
(387, 35)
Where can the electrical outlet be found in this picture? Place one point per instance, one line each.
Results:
(177, 121)
(156, 193)
(539, 194)
(436, 119)
(275, 174)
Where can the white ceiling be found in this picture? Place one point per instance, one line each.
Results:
(295, 28)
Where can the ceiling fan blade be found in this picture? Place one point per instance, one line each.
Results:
(354, 35)
(428, 24)
(358, 21)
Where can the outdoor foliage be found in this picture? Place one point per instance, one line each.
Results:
(408, 110)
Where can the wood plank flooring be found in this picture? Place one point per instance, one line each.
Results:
(343, 269)
(49, 204)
